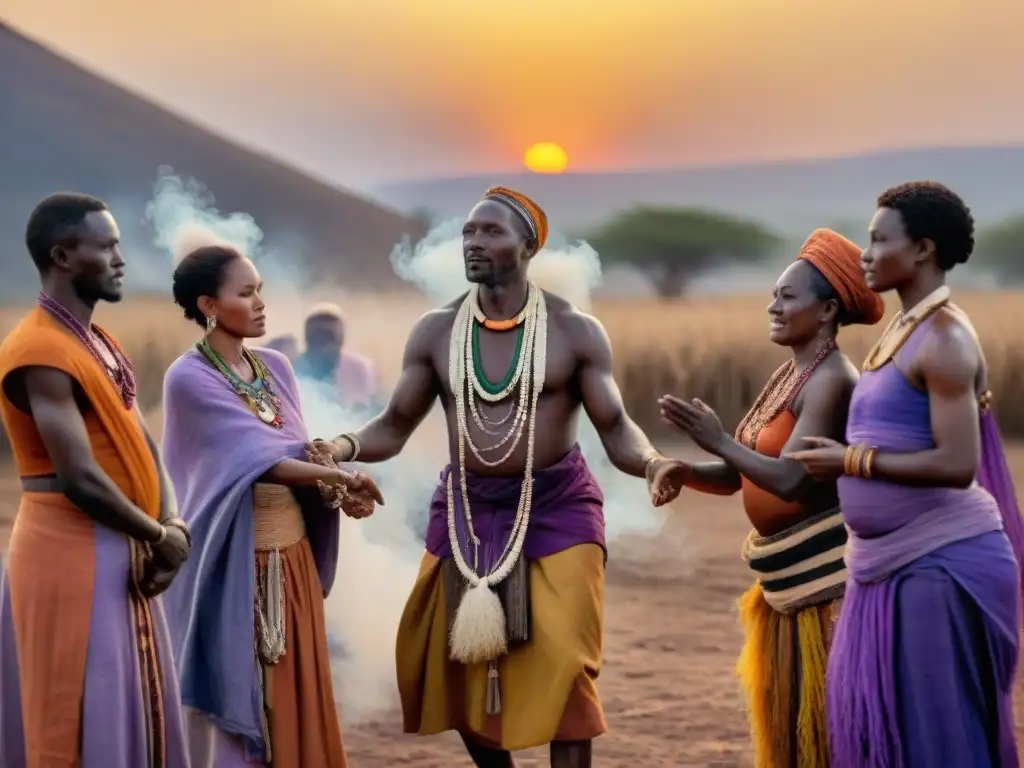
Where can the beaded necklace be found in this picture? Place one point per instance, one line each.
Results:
(778, 395)
(121, 373)
(478, 633)
(259, 395)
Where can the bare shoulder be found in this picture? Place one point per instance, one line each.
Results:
(583, 332)
(831, 383)
(950, 350)
(432, 329)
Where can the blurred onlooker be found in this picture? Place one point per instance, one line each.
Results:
(287, 345)
(326, 360)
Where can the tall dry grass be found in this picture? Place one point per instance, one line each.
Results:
(715, 349)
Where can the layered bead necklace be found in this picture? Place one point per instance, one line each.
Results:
(121, 373)
(778, 395)
(258, 395)
(478, 632)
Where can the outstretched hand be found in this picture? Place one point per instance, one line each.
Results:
(824, 459)
(696, 418)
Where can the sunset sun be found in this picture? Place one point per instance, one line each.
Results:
(546, 157)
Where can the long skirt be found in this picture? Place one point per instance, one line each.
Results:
(302, 718)
(87, 678)
(548, 685)
(922, 666)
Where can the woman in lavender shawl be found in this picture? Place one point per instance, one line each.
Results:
(925, 652)
(265, 540)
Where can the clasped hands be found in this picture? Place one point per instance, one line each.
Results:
(354, 493)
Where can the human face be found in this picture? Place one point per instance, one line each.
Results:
(325, 337)
(797, 314)
(238, 307)
(493, 244)
(891, 258)
(94, 259)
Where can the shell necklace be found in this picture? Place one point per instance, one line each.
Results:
(478, 631)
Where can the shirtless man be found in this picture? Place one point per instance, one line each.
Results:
(521, 664)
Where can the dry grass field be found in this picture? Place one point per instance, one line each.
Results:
(715, 348)
(671, 631)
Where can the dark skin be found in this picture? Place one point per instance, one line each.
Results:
(800, 321)
(84, 270)
(947, 365)
(241, 315)
(497, 252)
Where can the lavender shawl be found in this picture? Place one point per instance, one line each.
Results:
(214, 449)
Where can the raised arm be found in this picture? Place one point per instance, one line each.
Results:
(625, 443)
(949, 362)
(51, 399)
(384, 436)
(823, 406)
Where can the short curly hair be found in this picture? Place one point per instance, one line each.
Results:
(57, 220)
(201, 273)
(934, 212)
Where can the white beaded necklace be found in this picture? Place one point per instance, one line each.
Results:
(478, 631)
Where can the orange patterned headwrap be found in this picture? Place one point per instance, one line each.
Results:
(534, 216)
(838, 260)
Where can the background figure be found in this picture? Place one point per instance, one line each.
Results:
(351, 377)
(287, 345)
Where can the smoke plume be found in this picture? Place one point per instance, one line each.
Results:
(380, 556)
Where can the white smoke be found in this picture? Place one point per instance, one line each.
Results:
(380, 557)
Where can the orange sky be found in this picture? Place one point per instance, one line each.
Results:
(446, 87)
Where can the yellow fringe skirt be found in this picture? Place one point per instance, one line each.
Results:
(782, 668)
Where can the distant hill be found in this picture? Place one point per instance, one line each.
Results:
(794, 196)
(62, 127)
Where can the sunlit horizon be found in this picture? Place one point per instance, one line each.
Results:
(366, 96)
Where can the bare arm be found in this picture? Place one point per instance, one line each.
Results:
(948, 361)
(627, 446)
(294, 473)
(51, 399)
(824, 403)
(384, 436)
(714, 477)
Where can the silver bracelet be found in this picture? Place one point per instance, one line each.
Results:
(353, 442)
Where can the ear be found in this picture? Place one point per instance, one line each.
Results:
(530, 248)
(925, 251)
(59, 256)
(829, 312)
(207, 306)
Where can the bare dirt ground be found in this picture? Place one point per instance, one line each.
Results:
(671, 641)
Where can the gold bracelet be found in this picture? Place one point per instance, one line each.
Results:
(652, 458)
(851, 450)
(869, 460)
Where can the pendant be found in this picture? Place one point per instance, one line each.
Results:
(266, 415)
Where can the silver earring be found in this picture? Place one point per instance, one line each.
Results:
(211, 323)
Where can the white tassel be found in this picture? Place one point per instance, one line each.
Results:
(478, 631)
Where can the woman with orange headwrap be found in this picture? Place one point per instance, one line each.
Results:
(796, 547)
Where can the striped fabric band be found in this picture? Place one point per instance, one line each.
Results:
(516, 206)
(801, 566)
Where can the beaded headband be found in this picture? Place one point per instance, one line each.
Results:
(518, 208)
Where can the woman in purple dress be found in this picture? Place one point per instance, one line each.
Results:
(925, 652)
